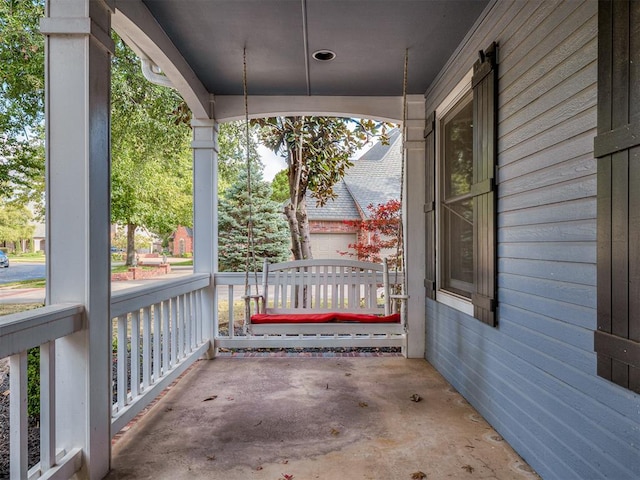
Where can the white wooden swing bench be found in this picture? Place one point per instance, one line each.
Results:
(327, 303)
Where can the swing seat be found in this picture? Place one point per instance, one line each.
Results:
(324, 297)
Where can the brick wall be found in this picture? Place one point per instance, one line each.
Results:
(181, 236)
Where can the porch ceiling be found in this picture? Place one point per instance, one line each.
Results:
(369, 38)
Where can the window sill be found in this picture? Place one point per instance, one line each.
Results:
(457, 302)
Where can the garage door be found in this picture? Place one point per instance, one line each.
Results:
(327, 245)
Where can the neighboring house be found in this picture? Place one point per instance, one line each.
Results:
(39, 237)
(373, 179)
(181, 241)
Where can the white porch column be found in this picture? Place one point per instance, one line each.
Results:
(205, 214)
(77, 66)
(414, 225)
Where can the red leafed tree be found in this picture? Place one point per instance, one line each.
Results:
(377, 233)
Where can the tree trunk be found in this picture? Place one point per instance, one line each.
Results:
(294, 231)
(131, 245)
(304, 230)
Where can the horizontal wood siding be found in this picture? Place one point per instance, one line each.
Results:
(534, 377)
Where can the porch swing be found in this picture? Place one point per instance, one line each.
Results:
(331, 299)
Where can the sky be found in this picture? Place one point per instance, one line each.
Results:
(272, 163)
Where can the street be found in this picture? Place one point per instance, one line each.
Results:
(21, 271)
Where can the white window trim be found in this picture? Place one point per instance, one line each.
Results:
(448, 298)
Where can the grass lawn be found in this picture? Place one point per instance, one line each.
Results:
(9, 308)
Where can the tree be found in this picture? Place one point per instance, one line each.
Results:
(151, 155)
(268, 225)
(21, 100)
(15, 225)
(318, 152)
(280, 186)
(378, 232)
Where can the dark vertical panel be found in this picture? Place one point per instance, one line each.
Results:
(430, 205)
(618, 152)
(483, 190)
(620, 73)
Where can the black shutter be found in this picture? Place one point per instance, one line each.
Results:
(430, 205)
(617, 148)
(484, 83)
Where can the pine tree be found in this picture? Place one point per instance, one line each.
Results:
(270, 231)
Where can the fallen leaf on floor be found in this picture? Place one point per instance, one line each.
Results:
(363, 404)
(212, 397)
(258, 423)
(468, 468)
(229, 398)
(259, 467)
(168, 409)
(285, 461)
(286, 476)
(347, 374)
(211, 458)
(415, 397)
(418, 475)
(335, 432)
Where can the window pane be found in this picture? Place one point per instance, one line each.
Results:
(456, 204)
(458, 261)
(458, 149)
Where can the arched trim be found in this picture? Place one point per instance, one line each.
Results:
(137, 27)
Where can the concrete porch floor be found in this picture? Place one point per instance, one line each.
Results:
(313, 418)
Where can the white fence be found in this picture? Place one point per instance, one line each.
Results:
(20, 332)
(158, 332)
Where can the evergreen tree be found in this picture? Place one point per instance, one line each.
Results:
(270, 230)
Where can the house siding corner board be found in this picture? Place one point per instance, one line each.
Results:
(534, 376)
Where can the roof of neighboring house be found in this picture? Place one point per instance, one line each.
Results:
(188, 230)
(374, 179)
(340, 208)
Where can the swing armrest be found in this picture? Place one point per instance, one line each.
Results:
(258, 301)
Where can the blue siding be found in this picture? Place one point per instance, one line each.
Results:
(534, 376)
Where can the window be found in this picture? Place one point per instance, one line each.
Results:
(461, 194)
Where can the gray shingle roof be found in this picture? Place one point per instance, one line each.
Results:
(341, 208)
(373, 179)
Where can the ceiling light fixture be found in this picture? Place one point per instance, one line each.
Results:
(324, 55)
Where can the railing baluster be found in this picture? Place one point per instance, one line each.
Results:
(198, 313)
(18, 456)
(135, 354)
(231, 315)
(166, 337)
(122, 361)
(47, 405)
(174, 331)
(181, 327)
(157, 335)
(146, 348)
(189, 319)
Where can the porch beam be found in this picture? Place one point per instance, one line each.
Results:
(77, 79)
(231, 107)
(205, 217)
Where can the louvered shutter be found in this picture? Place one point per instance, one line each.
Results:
(430, 205)
(617, 148)
(484, 83)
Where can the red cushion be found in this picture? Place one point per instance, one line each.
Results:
(292, 318)
(365, 318)
(261, 318)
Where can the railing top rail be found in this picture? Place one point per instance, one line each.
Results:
(126, 301)
(326, 262)
(24, 330)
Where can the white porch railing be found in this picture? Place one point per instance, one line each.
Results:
(158, 333)
(229, 287)
(20, 332)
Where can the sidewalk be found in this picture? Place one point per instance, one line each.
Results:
(37, 295)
